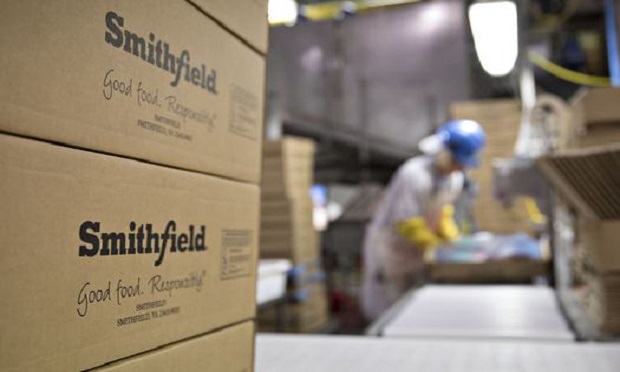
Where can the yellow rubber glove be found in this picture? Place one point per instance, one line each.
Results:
(533, 212)
(418, 233)
(447, 228)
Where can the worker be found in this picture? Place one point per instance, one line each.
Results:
(463, 206)
(416, 213)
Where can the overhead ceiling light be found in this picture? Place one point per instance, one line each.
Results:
(494, 28)
(282, 12)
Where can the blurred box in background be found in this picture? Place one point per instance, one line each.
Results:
(500, 119)
(288, 232)
(287, 229)
(587, 180)
(305, 312)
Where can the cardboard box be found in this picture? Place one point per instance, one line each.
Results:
(297, 249)
(285, 207)
(602, 301)
(493, 109)
(299, 164)
(290, 215)
(307, 314)
(247, 19)
(152, 80)
(287, 181)
(587, 178)
(602, 240)
(287, 222)
(599, 135)
(227, 350)
(598, 106)
(287, 168)
(297, 246)
(505, 271)
(288, 146)
(105, 257)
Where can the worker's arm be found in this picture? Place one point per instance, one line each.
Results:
(447, 228)
(417, 231)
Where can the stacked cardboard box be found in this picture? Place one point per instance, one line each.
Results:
(287, 231)
(601, 297)
(602, 301)
(587, 179)
(600, 292)
(306, 313)
(596, 123)
(501, 119)
(129, 159)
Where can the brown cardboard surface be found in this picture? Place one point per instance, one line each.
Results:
(69, 302)
(287, 180)
(294, 241)
(288, 146)
(285, 206)
(287, 222)
(602, 240)
(309, 314)
(287, 168)
(505, 271)
(298, 253)
(599, 105)
(247, 18)
(599, 135)
(488, 110)
(601, 300)
(227, 350)
(297, 237)
(588, 178)
(280, 191)
(74, 73)
(295, 163)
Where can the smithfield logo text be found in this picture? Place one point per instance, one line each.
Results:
(141, 239)
(157, 53)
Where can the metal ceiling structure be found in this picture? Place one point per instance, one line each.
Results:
(368, 86)
(374, 83)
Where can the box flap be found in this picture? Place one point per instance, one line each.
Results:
(588, 178)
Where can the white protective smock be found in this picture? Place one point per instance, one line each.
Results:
(392, 264)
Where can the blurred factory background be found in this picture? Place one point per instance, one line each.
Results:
(365, 81)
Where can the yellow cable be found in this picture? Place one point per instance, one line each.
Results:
(568, 75)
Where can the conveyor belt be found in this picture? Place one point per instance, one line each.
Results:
(488, 312)
(288, 353)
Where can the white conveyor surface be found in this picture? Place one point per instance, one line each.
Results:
(304, 353)
(482, 311)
